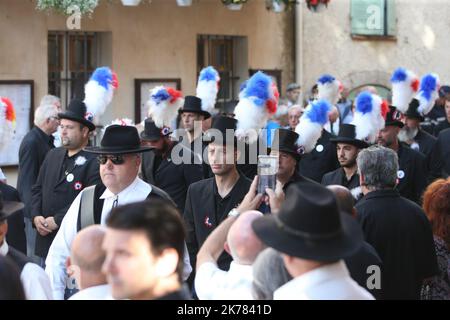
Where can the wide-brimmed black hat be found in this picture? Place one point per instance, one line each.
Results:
(347, 134)
(310, 225)
(77, 111)
(152, 132)
(393, 118)
(7, 208)
(285, 140)
(119, 140)
(222, 124)
(412, 110)
(194, 104)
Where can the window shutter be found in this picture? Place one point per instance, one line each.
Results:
(391, 18)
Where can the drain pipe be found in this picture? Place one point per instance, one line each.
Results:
(298, 52)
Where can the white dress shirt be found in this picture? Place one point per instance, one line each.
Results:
(211, 283)
(330, 282)
(137, 191)
(34, 280)
(102, 292)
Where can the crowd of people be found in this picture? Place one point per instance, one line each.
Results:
(172, 208)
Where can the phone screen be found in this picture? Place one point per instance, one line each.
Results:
(267, 173)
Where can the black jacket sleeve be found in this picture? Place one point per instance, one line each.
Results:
(29, 171)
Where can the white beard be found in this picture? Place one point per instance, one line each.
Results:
(407, 134)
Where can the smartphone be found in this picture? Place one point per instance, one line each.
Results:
(267, 173)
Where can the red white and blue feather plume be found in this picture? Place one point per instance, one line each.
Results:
(404, 86)
(208, 87)
(99, 92)
(164, 104)
(258, 100)
(7, 121)
(428, 93)
(369, 117)
(311, 124)
(328, 88)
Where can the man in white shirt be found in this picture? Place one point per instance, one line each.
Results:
(34, 280)
(85, 262)
(237, 237)
(119, 166)
(313, 237)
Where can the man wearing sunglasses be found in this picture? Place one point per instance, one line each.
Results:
(119, 158)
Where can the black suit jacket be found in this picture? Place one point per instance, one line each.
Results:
(200, 214)
(174, 179)
(52, 194)
(16, 226)
(315, 164)
(426, 145)
(33, 149)
(440, 158)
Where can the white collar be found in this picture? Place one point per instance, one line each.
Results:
(315, 277)
(243, 270)
(4, 248)
(109, 194)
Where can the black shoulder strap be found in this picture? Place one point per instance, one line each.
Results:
(92, 204)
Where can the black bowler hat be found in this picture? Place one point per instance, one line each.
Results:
(285, 140)
(119, 140)
(194, 104)
(347, 134)
(222, 124)
(393, 118)
(77, 111)
(7, 208)
(310, 225)
(412, 110)
(152, 132)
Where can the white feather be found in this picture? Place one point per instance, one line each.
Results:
(425, 105)
(309, 133)
(97, 98)
(207, 92)
(328, 91)
(251, 119)
(402, 92)
(163, 113)
(6, 128)
(367, 125)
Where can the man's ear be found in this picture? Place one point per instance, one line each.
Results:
(166, 263)
(3, 229)
(226, 247)
(361, 180)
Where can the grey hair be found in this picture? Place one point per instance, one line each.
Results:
(47, 108)
(295, 107)
(378, 165)
(269, 273)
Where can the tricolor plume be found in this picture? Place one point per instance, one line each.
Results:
(7, 121)
(257, 101)
(164, 104)
(328, 88)
(428, 93)
(404, 85)
(311, 123)
(369, 117)
(99, 91)
(208, 87)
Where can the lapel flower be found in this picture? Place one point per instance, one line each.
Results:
(80, 160)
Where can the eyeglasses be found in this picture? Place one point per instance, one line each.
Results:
(115, 159)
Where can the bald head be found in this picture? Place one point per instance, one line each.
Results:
(87, 254)
(344, 198)
(243, 243)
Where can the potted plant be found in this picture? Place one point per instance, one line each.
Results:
(184, 3)
(279, 6)
(316, 5)
(234, 4)
(130, 3)
(66, 7)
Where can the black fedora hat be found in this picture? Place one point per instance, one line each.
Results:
(153, 133)
(285, 140)
(119, 140)
(77, 111)
(310, 225)
(7, 208)
(347, 134)
(194, 104)
(221, 124)
(412, 110)
(393, 118)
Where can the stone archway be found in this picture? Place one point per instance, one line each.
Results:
(381, 80)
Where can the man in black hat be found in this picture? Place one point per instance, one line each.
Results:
(396, 227)
(169, 165)
(436, 117)
(413, 135)
(64, 173)
(412, 172)
(34, 280)
(347, 149)
(119, 158)
(445, 123)
(209, 201)
(313, 237)
(289, 154)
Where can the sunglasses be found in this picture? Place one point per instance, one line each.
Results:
(115, 159)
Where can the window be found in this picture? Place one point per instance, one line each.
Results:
(373, 18)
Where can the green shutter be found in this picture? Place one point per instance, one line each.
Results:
(391, 18)
(367, 17)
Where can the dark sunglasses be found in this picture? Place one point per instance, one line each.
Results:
(115, 159)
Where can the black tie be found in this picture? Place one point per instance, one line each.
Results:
(116, 202)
